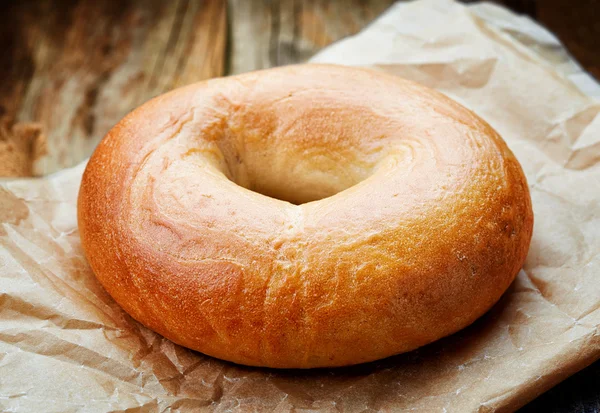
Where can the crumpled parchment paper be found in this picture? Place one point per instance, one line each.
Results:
(65, 346)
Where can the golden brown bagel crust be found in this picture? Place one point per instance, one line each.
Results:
(432, 223)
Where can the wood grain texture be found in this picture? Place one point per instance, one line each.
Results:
(76, 67)
(265, 33)
(20, 145)
(71, 69)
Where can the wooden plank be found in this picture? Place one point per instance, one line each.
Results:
(19, 145)
(71, 69)
(76, 67)
(265, 33)
(577, 24)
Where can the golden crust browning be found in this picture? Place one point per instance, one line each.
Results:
(409, 216)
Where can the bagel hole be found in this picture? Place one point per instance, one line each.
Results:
(298, 181)
(294, 191)
(302, 153)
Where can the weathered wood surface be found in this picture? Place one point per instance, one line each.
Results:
(76, 67)
(273, 33)
(577, 24)
(70, 69)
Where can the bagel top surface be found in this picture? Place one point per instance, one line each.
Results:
(304, 216)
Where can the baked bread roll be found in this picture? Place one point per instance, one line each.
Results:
(305, 216)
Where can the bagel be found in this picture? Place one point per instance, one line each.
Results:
(304, 216)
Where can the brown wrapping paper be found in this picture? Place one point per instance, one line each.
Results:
(65, 346)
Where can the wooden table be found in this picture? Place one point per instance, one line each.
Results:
(71, 69)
